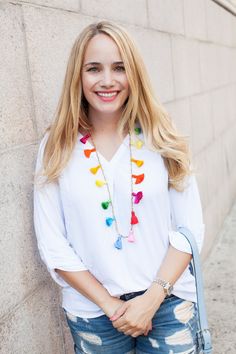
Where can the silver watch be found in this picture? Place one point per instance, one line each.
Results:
(167, 286)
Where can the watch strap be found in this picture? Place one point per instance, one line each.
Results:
(167, 287)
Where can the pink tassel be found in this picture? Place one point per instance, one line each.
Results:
(138, 196)
(131, 237)
(84, 138)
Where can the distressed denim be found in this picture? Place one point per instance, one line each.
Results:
(174, 328)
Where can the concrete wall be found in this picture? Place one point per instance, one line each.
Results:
(189, 47)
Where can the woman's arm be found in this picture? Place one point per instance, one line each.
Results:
(173, 265)
(86, 284)
(185, 210)
(134, 316)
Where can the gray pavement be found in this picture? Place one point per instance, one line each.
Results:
(219, 274)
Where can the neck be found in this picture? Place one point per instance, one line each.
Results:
(104, 123)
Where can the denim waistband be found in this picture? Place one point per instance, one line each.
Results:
(129, 296)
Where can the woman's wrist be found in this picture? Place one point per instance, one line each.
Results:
(111, 305)
(104, 300)
(155, 294)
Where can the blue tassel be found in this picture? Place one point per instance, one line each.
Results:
(118, 243)
(109, 221)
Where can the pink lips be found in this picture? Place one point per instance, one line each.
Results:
(107, 99)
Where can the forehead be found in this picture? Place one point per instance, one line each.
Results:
(102, 48)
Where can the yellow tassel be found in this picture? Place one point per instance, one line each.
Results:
(138, 143)
(139, 163)
(94, 169)
(100, 183)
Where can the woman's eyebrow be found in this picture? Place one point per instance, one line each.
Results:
(97, 63)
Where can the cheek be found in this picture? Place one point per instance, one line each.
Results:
(87, 86)
(126, 83)
(127, 88)
(87, 82)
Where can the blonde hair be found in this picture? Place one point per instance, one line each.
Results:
(142, 107)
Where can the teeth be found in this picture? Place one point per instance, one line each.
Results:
(107, 94)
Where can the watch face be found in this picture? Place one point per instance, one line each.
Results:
(169, 288)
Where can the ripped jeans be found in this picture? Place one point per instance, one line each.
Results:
(174, 328)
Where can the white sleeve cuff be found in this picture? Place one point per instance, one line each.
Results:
(58, 279)
(179, 241)
(76, 265)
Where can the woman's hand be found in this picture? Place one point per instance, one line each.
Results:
(134, 317)
(111, 305)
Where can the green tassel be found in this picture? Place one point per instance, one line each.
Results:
(137, 130)
(105, 205)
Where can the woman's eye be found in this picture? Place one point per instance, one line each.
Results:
(118, 68)
(121, 68)
(91, 69)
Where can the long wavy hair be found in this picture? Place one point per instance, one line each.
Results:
(141, 107)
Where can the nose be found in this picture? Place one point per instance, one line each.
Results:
(107, 79)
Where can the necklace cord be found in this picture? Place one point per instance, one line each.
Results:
(108, 189)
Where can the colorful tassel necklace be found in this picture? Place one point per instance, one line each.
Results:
(135, 197)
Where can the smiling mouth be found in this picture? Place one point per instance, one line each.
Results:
(107, 94)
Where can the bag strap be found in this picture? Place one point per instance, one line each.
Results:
(205, 336)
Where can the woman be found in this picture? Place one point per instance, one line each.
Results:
(115, 183)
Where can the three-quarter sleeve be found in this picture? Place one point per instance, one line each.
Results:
(54, 247)
(186, 210)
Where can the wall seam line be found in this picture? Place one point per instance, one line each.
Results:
(29, 83)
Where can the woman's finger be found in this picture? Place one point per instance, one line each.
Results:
(136, 334)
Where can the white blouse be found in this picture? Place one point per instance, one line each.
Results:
(72, 234)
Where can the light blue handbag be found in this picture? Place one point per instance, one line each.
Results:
(203, 334)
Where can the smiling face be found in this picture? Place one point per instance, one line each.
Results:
(104, 81)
